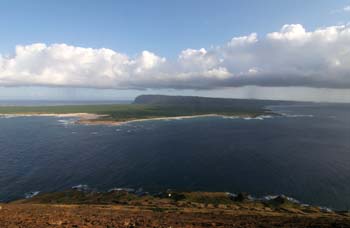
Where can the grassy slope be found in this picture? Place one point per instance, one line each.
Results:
(125, 216)
(175, 199)
(192, 202)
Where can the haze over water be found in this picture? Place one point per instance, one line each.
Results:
(304, 154)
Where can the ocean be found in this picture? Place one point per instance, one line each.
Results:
(304, 154)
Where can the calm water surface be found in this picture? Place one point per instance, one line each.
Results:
(304, 154)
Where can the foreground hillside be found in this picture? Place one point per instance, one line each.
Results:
(120, 208)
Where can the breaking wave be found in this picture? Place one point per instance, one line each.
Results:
(29, 195)
(297, 115)
(66, 122)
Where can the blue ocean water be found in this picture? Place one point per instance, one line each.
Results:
(305, 154)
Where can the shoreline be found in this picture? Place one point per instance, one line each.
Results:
(116, 123)
(124, 207)
(97, 119)
(86, 116)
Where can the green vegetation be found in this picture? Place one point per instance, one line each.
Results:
(129, 111)
(146, 107)
(80, 197)
(167, 201)
(124, 208)
(214, 198)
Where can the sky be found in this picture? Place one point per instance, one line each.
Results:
(95, 50)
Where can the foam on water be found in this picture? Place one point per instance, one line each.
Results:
(29, 195)
(66, 122)
(8, 116)
(297, 115)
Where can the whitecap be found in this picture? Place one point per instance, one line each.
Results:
(325, 209)
(230, 117)
(269, 197)
(266, 116)
(297, 115)
(29, 195)
(7, 116)
(291, 199)
(261, 117)
(66, 121)
(81, 187)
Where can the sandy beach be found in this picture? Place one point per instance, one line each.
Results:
(95, 119)
(98, 121)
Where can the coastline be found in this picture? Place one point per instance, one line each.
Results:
(86, 116)
(124, 207)
(97, 119)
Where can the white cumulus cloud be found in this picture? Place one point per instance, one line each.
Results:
(347, 9)
(291, 56)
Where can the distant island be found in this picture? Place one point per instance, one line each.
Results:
(146, 107)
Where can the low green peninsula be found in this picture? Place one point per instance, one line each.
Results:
(151, 107)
